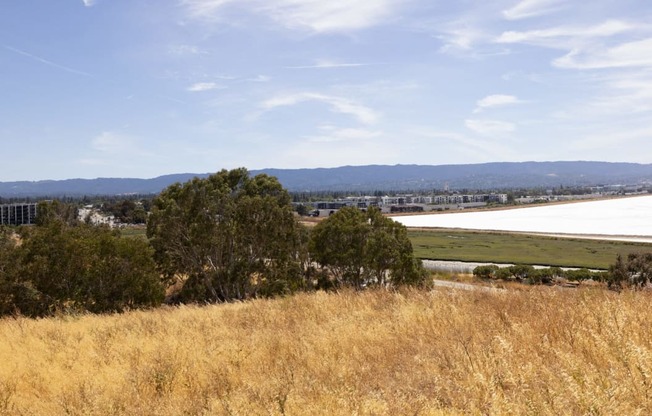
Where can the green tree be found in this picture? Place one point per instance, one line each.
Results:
(360, 248)
(618, 275)
(636, 271)
(639, 266)
(7, 270)
(129, 212)
(48, 211)
(83, 267)
(231, 236)
(302, 209)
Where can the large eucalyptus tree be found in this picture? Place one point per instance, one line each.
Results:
(229, 236)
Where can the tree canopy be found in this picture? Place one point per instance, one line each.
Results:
(362, 248)
(80, 267)
(230, 236)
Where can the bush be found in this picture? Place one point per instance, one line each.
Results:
(85, 268)
(486, 272)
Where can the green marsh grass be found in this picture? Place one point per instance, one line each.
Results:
(479, 246)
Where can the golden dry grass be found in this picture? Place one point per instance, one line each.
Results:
(533, 351)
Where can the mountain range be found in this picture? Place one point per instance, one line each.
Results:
(499, 175)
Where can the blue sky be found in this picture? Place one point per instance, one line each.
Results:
(141, 88)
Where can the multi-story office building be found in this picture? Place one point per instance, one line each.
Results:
(17, 214)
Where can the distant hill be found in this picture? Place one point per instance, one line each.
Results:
(100, 186)
(369, 178)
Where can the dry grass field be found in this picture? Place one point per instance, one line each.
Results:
(533, 350)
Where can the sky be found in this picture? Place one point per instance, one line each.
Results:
(142, 88)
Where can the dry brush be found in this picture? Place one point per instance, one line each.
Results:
(529, 351)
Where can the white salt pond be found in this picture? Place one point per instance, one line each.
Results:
(628, 219)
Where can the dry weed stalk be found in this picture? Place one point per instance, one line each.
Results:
(538, 351)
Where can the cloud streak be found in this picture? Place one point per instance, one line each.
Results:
(626, 55)
(331, 65)
(186, 50)
(597, 46)
(490, 127)
(337, 104)
(315, 15)
(348, 134)
(203, 86)
(112, 143)
(561, 37)
(47, 62)
(532, 8)
(495, 100)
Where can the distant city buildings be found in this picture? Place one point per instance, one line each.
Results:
(409, 202)
(18, 214)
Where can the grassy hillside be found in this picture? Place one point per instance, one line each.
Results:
(519, 248)
(534, 351)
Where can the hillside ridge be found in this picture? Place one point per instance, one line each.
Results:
(493, 175)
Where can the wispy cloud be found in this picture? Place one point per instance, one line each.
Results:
(89, 3)
(564, 37)
(622, 94)
(326, 64)
(186, 50)
(204, 86)
(48, 62)
(591, 47)
(620, 140)
(478, 149)
(332, 134)
(315, 15)
(632, 94)
(495, 100)
(113, 143)
(630, 54)
(460, 36)
(330, 16)
(466, 37)
(489, 127)
(364, 114)
(324, 154)
(259, 78)
(204, 8)
(119, 153)
(531, 8)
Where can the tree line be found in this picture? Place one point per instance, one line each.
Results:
(64, 265)
(224, 238)
(524, 273)
(633, 272)
(227, 237)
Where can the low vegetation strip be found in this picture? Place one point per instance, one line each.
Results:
(488, 247)
(530, 351)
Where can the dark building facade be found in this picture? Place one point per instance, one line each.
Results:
(17, 214)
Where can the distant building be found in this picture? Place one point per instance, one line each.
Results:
(405, 208)
(18, 214)
(331, 205)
